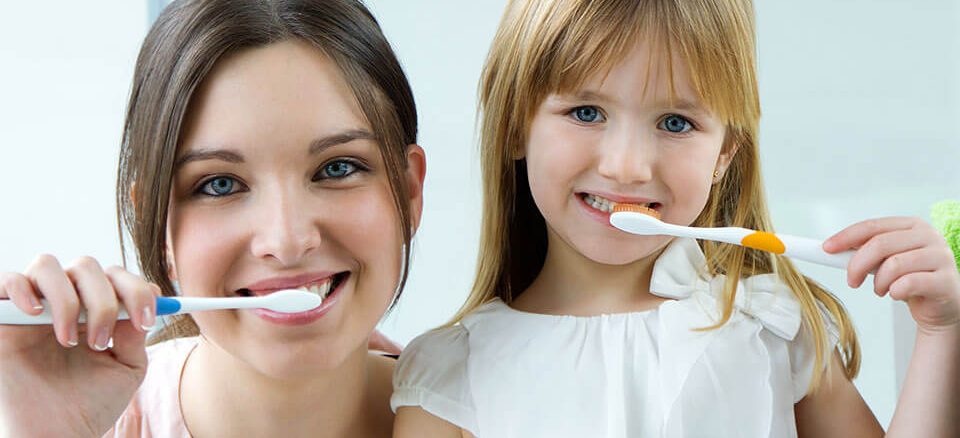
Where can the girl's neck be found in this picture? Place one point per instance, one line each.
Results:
(221, 396)
(571, 284)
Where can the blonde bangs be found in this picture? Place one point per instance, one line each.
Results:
(565, 43)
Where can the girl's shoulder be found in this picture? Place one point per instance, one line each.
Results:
(432, 374)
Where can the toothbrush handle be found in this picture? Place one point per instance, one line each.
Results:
(811, 250)
(11, 315)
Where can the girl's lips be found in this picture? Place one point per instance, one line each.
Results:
(603, 216)
(600, 216)
(303, 318)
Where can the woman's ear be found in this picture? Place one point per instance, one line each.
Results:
(415, 174)
(168, 256)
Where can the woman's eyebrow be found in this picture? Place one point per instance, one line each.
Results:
(227, 155)
(231, 156)
(322, 143)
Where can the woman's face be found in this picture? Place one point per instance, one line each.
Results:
(279, 184)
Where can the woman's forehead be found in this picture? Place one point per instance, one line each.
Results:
(273, 93)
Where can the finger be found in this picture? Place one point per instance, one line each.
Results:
(18, 289)
(99, 299)
(49, 279)
(900, 264)
(856, 235)
(880, 247)
(378, 341)
(913, 284)
(137, 296)
(129, 345)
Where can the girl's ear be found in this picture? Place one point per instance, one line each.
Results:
(724, 160)
(415, 174)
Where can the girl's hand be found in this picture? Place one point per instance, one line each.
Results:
(63, 380)
(912, 263)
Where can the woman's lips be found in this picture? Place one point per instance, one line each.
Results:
(302, 318)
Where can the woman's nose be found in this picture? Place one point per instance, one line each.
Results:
(285, 232)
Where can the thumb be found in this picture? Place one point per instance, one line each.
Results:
(129, 345)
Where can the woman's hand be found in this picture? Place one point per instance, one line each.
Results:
(65, 379)
(912, 262)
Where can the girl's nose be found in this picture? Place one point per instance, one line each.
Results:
(626, 157)
(285, 232)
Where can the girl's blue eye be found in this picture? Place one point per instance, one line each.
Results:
(587, 114)
(219, 186)
(338, 169)
(675, 124)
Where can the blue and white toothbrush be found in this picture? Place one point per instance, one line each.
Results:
(287, 301)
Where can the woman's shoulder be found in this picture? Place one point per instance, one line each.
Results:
(155, 408)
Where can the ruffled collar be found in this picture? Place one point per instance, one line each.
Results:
(681, 273)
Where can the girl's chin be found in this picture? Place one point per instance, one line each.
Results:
(625, 253)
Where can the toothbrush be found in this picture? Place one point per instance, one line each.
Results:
(637, 219)
(287, 301)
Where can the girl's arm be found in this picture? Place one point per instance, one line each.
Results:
(414, 422)
(912, 263)
(835, 409)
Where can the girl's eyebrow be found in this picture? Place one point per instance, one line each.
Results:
(231, 156)
(679, 103)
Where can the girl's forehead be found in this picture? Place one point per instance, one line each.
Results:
(649, 72)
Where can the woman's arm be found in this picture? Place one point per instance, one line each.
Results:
(414, 422)
(62, 379)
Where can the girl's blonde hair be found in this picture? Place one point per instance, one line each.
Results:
(549, 46)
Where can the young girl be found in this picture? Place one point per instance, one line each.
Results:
(267, 146)
(576, 329)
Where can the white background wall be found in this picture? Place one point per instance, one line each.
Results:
(861, 106)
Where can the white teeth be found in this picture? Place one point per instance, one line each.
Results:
(604, 204)
(599, 203)
(322, 289)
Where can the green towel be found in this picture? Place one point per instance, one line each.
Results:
(946, 218)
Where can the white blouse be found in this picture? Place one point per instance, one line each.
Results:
(506, 373)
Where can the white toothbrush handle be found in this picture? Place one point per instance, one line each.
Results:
(10, 314)
(811, 250)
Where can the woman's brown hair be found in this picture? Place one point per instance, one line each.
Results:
(555, 46)
(187, 40)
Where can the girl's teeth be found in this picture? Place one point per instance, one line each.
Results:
(605, 205)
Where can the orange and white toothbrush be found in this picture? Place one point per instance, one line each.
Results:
(638, 219)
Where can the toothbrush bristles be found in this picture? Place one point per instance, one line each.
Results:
(636, 208)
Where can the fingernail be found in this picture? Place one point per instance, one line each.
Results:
(72, 337)
(149, 319)
(103, 339)
(35, 303)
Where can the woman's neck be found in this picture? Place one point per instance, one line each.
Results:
(221, 396)
(572, 284)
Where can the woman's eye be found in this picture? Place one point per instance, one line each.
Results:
(587, 114)
(337, 169)
(219, 186)
(675, 124)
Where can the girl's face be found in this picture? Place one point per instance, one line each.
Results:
(622, 138)
(279, 184)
